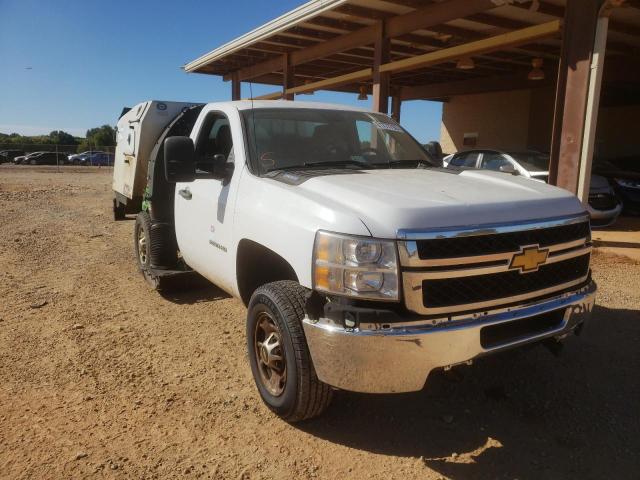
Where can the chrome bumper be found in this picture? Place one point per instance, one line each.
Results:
(399, 358)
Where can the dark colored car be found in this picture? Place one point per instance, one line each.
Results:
(9, 155)
(100, 159)
(24, 159)
(624, 175)
(46, 158)
(81, 158)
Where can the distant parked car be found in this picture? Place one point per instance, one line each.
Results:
(23, 159)
(603, 206)
(100, 159)
(79, 158)
(624, 175)
(9, 155)
(46, 158)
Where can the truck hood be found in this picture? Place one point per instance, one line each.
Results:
(389, 200)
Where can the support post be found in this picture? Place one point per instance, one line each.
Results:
(593, 107)
(287, 77)
(381, 79)
(581, 17)
(235, 86)
(396, 106)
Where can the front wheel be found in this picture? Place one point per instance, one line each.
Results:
(280, 361)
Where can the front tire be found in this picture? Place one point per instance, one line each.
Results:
(279, 356)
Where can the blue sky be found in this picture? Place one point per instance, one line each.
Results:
(73, 65)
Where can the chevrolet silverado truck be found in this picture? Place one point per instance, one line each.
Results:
(364, 264)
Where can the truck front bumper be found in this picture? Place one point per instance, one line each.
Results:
(398, 357)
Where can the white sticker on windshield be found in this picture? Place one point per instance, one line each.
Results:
(388, 126)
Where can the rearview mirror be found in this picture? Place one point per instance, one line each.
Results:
(179, 159)
(508, 168)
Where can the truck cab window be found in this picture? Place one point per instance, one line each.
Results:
(323, 138)
(214, 139)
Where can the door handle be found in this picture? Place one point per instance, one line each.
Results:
(185, 193)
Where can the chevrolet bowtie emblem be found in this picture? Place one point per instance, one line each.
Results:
(529, 259)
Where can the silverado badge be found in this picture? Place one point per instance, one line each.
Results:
(529, 259)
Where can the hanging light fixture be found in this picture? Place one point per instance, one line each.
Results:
(363, 93)
(466, 63)
(536, 72)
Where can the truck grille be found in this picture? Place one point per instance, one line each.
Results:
(490, 267)
(505, 242)
(505, 333)
(454, 291)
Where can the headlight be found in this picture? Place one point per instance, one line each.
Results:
(355, 266)
(628, 183)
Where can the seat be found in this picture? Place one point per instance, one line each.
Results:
(330, 139)
(224, 141)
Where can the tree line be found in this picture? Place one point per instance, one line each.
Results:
(103, 136)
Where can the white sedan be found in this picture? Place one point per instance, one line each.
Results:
(604, 206)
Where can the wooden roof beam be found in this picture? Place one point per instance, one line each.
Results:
(518, 81)
(615, 25)
(428, 16)
(498, 42)
(486, 45)
(360, 75)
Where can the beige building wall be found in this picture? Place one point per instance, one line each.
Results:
(618, 132)
(523, 119)
(500, 120)
(541, 119)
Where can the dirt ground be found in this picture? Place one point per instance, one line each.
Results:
(100, 377)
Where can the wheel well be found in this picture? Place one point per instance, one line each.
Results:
(257, 265)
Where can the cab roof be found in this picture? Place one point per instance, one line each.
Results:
(251, 104)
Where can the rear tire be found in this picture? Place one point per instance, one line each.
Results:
(279, 356)
(142, 246)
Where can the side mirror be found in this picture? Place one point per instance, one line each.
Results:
(508, 169)
(179, 160)
(222, 169)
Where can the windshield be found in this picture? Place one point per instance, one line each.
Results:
(532, 161)
(287, 138)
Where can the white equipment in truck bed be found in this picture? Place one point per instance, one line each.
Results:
(138, 130)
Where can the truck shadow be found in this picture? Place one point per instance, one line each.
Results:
(521, 414)
(609, 243)
(193, 289)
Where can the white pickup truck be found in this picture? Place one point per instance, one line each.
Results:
(364, 265)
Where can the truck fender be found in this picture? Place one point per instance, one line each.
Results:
(257, 265)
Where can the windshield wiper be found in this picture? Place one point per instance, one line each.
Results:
(337, 163)
(418, 163)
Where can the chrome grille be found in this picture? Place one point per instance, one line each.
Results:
(471, 269)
